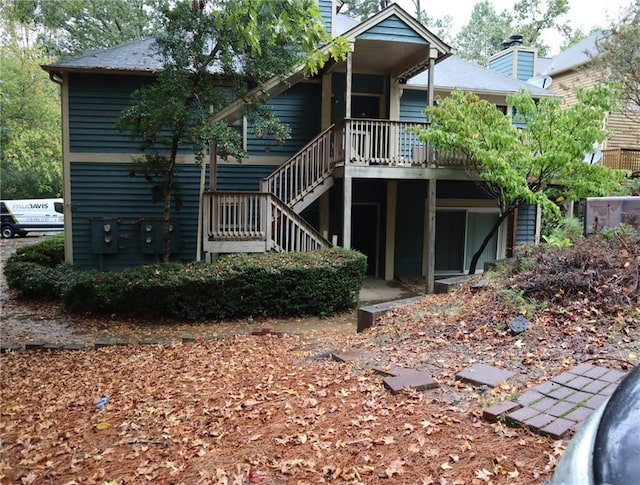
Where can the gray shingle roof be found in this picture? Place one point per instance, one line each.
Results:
(455, 72)
(575, 55)
(137, 55)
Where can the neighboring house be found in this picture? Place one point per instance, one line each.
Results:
(352, 172)
(573, 69)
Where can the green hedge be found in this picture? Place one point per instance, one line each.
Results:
(284, 284)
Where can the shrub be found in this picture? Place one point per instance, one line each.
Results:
(275, 284)
(49, 252)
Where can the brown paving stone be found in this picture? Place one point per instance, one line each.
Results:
(579, 382)
(596, 386)
(483, 374)
(607, 391)
(596, 372)
(351, 355)
(562, 392)
(547, 387)
(392, 370)
(578, 397)
(494, 413)
(560, 408)
(613, 375)
(419, 381)
(563, 378)
(579, 414)
(581, 369)
(595, 401)
(543, 404)
(539, 421)
(529, 397)
(522, 414)
(558, 428)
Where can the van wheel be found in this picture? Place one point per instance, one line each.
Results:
(7, 232)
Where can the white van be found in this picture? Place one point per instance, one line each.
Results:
(31, 215)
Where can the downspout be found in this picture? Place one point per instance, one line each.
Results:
(203, 173)
(347, 187)
(59, 79)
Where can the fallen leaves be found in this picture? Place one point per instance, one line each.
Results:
(269, 418)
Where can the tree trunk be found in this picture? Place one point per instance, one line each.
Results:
(166, 215)
(494, 230)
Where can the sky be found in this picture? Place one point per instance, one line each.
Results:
(583, 14)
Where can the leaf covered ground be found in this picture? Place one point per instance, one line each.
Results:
(276, 410)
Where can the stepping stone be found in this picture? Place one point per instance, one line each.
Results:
(74, 347)
(561, 404)
(36, 345)
(483, 374)
(155, 341)
(494, 413)
(411, 379)
(351, 355)
(4, 348)
(392, 370)
(110, 342)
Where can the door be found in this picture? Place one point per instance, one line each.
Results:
(365, 107)
(365, 223)
(450, 241)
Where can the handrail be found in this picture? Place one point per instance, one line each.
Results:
(256, 216)
(304, 171)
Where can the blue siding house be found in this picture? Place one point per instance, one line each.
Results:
(353, 173)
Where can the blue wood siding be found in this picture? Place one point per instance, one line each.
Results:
(95, 104)
(326, 10)
(105, 190)
(525, 65)
(503, 64)
(526, 224)
(392, 29)
(412, 105)
(242, 177)
(300, 108)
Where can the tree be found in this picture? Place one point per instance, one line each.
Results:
(487, 29)
(215, 52)
(69, 27)
(522, 165)
(482, 36)
(363, 9)
(532, 18)
(618, 55)
(30, 155)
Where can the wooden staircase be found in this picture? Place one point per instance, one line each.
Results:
(269, 220)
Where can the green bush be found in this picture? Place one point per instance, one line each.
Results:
(48, 252)
(275, 284)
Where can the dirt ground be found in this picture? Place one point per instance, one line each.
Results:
(237, 408)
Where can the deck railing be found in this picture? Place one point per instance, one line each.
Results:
(622, 158)
(255, 222)
(389, 143)
(303, 172)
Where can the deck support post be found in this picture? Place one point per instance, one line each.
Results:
(346, 210)
(347, 108)
(389, 258)
(430, 237)
(433, 54)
